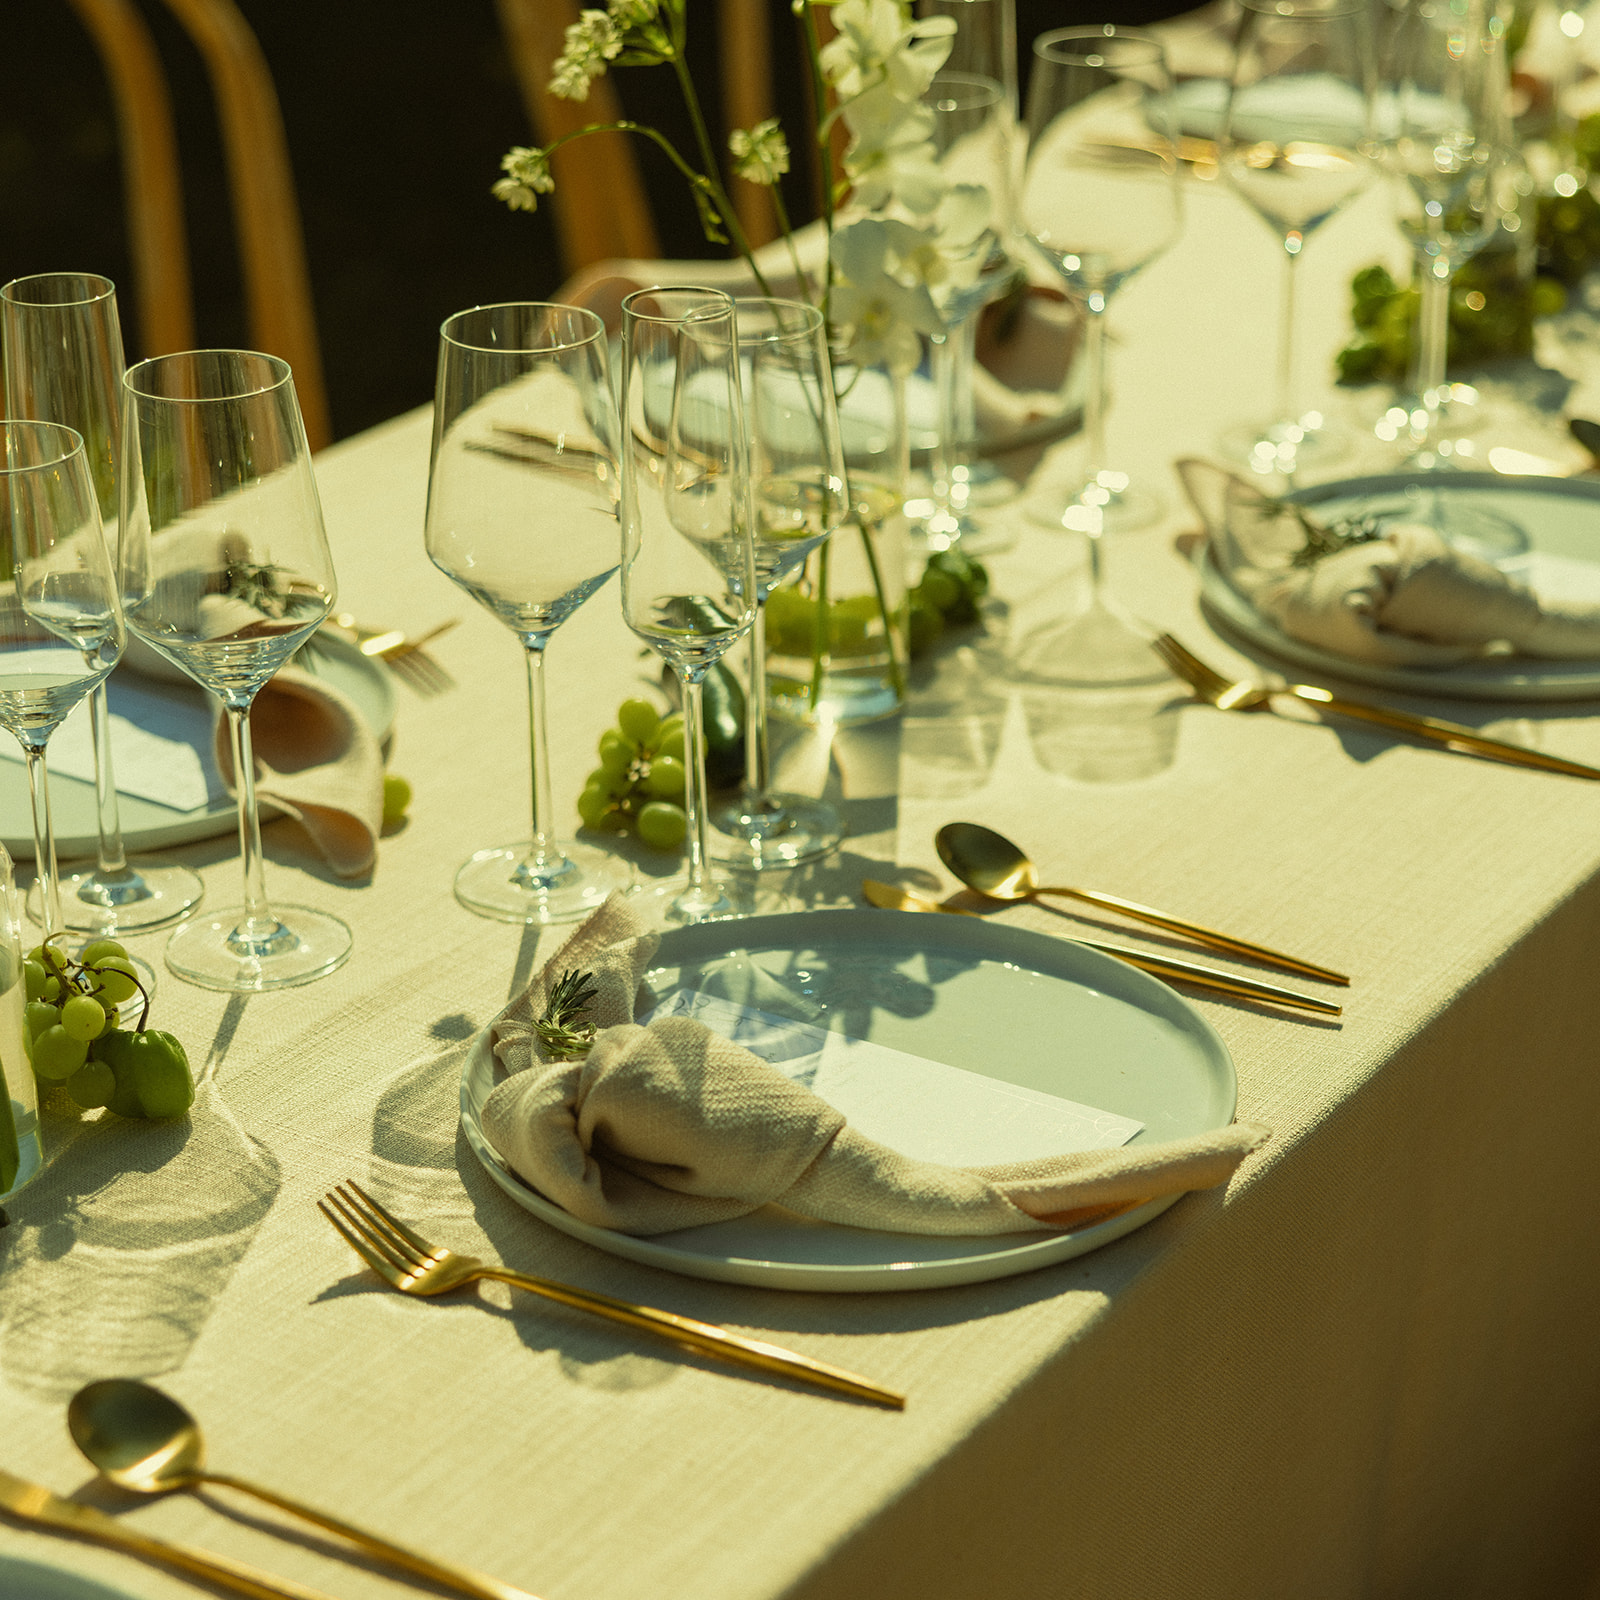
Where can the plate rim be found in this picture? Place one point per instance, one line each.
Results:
(1467, 681)
(981, 1265)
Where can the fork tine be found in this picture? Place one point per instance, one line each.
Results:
(392, 1249)
(392, 1222)
(385, 1270)
(1190, 666)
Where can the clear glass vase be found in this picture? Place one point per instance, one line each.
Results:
(21, 1156)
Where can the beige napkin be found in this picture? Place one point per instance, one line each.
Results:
(1405, 599)
(670, 1126)
(318, 761)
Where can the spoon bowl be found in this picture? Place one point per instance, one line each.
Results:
(141, 1439)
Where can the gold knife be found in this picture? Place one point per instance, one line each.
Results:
(32, 1503)
(890, 897)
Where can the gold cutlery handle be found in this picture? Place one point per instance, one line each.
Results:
(1197, 931)
(1209, 978)
(1439, 731)
(461, 1579)
(705, 1338)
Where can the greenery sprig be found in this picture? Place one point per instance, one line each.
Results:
(563, 1035)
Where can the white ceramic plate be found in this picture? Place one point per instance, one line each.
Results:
(30, 1580)
(147, 825)
(1561, 517)
(1012, 1005)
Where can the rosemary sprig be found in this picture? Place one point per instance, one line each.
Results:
(563, 1035)
(1325, 538)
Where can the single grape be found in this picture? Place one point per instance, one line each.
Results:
(594, 806)
(83, 1017)
(396, 797)
(665, 778)
(49, 957)
(671, 743)
(57, 1055)
(34, 977)
(638, 719)
(617, 751)
(39, 1015)
(92, 1085)
(662, 825)
(114, 977)
(98, 949)
(51, 990)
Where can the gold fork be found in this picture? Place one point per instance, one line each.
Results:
(407, 1262)
(404, 653)
(1210, 686)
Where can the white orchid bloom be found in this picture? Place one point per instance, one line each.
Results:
(878, 304)
(877, 43)
(891, 154)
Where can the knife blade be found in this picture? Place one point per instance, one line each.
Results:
(890, 897)
(31, 1502)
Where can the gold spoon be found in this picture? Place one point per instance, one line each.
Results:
(142, 1440)
(988, 862)
(892, 897)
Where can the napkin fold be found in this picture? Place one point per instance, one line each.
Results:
(670, 1126)
(1405, 598)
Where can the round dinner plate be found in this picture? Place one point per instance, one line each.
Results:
(1018, 1007)
(30, 1580)
(148, 825)
(1561, 517)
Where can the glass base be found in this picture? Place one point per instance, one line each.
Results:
(504, 885)
(1461, 412)
(296, 945)
(933, 530)
(150, 894)
(777, 831)
(1307, 444)
(1118, 505)
(667, 902)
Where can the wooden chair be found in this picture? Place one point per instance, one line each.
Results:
(272, 258)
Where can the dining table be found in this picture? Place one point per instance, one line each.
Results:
(1364, 1367)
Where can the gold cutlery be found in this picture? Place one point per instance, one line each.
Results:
(31, 1503)
(407, 1262)
(405, 654)
(145, 1442)
(990, 863)
(891, 897)
(1227, 695)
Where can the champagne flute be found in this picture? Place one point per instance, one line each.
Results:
(61, 628)
(800, 495)
(522, 508)
(226, 571)
(1294, 144)
(688, 556)
(63, 363)
(1099, 202)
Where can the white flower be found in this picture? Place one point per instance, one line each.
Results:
(879, 313)
(891, 154)
(592, 41)
(633, 13)
(527, 177)
(877, 43)
(762, 154)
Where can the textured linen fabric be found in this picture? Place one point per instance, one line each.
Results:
(670, 1126)
(1362, 1370)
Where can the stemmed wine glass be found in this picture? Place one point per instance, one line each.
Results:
(226, 571)
(522, 514)
(688, 556)
(1099, 201)
(63, 363)
(61, 628)
(800, 495)
(1294, 148)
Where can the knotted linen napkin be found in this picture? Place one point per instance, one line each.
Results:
(1405, 599)
(670, 1126)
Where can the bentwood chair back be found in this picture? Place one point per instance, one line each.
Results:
(272, 259)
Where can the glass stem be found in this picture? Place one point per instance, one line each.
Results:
(1094, 405)
(690, 681)
(539, 755)
(259, 922)
(44, 839)
(1433, 336)
(946, 385)
(113, 862)
(1287, 410)
(757, 751)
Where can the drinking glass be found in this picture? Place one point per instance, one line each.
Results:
(972, 134)
(522, 514)
(799, 496)
(1099, 201)
(688, 556)
(985, 42)
(63, 363)
(1294, 148)
(226, 571)
(61, 628)
(21, 1154)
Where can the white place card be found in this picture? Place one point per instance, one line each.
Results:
(921, 1108)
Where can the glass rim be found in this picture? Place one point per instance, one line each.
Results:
(106, 289)
(994, 92)
(1299, 10)
(720, 304)
(583, 313)
(810, 316)
(282, 374)
(70, 443)
(1047, 46)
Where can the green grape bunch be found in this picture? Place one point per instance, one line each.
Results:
(639, 785)
(71, 1036)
